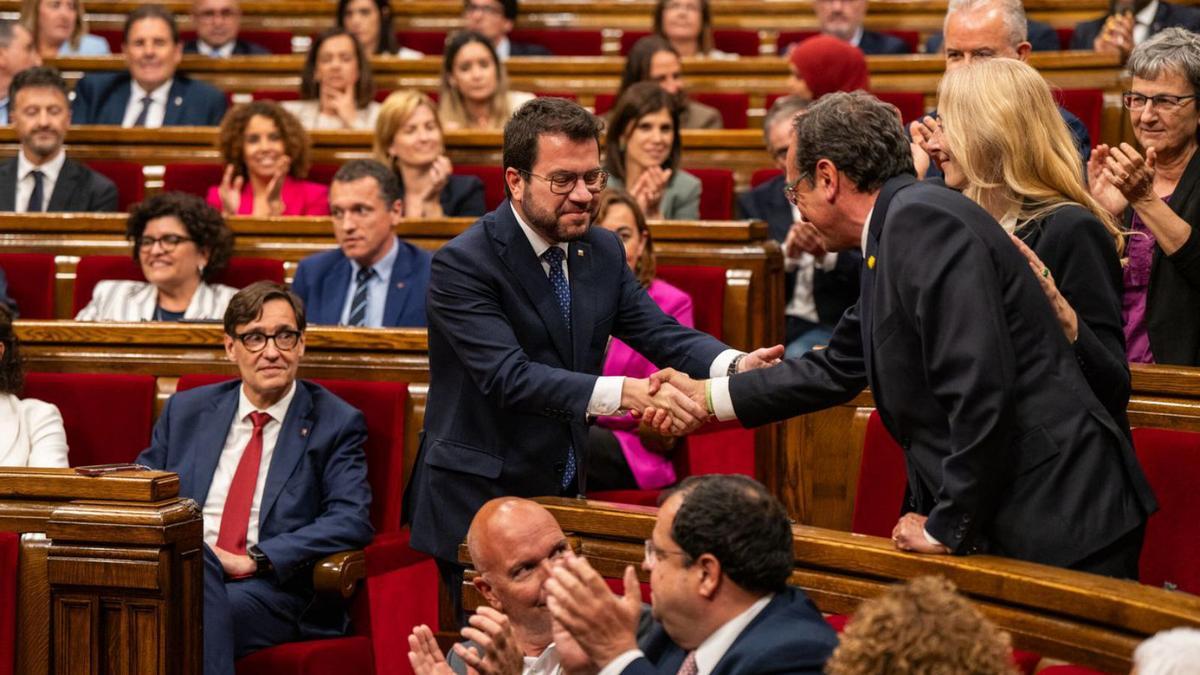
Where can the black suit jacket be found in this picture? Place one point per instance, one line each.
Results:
(1008, 450)
(527, 49)
(1173, 297)
(789, 635)
(833, 291)
(509, 382)
(101, 98)
(462, 196)
(240, 48)
(78, 189)
(882, 43)
(1167, 16)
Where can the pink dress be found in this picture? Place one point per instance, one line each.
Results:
(300, 198)
(651, 470)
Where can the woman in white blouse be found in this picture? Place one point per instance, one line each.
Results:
(181, 243)
(31, 431)
(337, 87)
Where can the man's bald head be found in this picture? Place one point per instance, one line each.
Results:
(502, 522)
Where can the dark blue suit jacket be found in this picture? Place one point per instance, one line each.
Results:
(4, 299)
(509, 383)
(882, 43)
(788, 636)
(1167, 16)
(101, 98)
(462, 196)
(322, 281)
(1042, 37)
(316, 501)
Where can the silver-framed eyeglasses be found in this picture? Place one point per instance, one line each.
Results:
(256, 341)
(1132, 100)
(789, 190)
(653, 553)
(564, 183)
(168, 242)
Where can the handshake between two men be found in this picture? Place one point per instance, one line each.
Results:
(671, 403)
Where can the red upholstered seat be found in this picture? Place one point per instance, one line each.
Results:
(1171, 461)
(191, 177)
(93, 269)
(429, 42)
(740, 41)
(881, 480)
(275, 95)
(911, 38)
(562, 42)
(131, 182)
(763, 175)
(122, 406)
(10, 544)
(1069, 670)
(493, 181)
(1087, 105)
(604, 103)
(629, 37)
(788, 38)
(716, 193)
(322, 172)
(30, 282)
(1064, 37)
(275, 41)
(733, 107)
(910, 103)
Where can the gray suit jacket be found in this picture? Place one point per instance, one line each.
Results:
(78, 189)
(681, 199)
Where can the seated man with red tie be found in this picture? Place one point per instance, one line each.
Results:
(278, 467)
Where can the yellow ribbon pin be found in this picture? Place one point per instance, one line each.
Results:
(871, 262)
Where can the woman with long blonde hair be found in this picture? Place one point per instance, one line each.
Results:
(1006, 147)
(474, 92)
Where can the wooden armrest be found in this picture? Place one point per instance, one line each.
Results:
(339, 574)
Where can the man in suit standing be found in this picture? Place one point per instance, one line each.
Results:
(843, 19)
(151, 93)
(719, 589)
(819, 285)
(41, 178)
(278, 468)
(1008, 450)
(521, 307)
(494, 19)
(1128, 24)
(217, 23)
(17, 52)
(374, 278)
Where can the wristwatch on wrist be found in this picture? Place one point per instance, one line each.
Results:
(733, 365)
(261, 560)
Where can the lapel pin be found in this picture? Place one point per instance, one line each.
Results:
(178, 100)
(871, 262)
(303, 431)
(399, 284)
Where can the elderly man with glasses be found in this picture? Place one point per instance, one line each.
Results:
(277, 465)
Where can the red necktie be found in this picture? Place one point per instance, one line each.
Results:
(235, 518)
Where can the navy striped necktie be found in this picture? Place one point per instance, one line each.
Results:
(358, 307)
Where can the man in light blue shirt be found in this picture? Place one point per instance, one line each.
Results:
(17, 52)
(373, 279)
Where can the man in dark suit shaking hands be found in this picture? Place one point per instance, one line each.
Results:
(520, 309)
(1007, 449)
(151, 93)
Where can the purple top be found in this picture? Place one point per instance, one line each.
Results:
(650, 469)
(300, 198)
(1140, 249)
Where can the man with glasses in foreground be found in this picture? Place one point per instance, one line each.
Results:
(521, 307)
(277, 465)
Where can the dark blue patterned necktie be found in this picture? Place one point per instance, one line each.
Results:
(37, 197)
(562, 292)
(141, 118)
(358, 307)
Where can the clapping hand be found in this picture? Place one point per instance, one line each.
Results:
(1130, 173)
(1116, 37)
(648, 190)
(604, 625)
(270, 201)
(927, 134)
(492, 631)
(230, 191)
(424, 654)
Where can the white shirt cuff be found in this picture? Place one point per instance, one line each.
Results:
(622, 662)
(929, 538)
(606, 396)
(722, 402)
(720, 365)
(790, 264)
(826, 262)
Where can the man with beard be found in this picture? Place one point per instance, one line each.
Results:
(520, 309)
(1129, 22)
(41, 178)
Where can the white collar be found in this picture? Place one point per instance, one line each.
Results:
(50, 168)
(159, 94)
(1146, 16)
(714, 647)
(866, 231)
(545, 663)
(503, 49)
(277, 411)
(536, 240)
(209, 50)
(856, 39)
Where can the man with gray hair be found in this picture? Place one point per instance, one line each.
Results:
(819, 285)
(17, 52)
(1008, 450)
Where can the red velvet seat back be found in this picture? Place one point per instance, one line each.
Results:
(716, 193)
(191, 177)
(562, 42)
(881, 481)
(788, 38)
(733, 107)
(740, 41)
(910, 103)
(761, 176)
(10, 545)
(1171, 461)
(92, 269)
(275, 95)
(107, 417)
(1064, 37)
(428, 42)
(128, 176)
(322, 172)
(603, 103)
(1087, 105)
(493, 181)
(629, 37)
(30, 282)
(706, 287)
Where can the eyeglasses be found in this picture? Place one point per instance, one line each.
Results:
(653, 553)
(214, 14)
(256, 341)
(564, 183)
(167, 241)
(1162, 102)
(486, 9)
(789, 190)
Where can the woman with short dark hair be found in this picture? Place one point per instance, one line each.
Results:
(370, 21)
(643, 150)
(31, 431)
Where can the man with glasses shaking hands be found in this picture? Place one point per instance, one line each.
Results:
(277, 465)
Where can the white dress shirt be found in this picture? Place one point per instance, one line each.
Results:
(503, 49)
(712, 650)
(377, 288)
(50, 171)
(1142, 22)
(240, 433)
(158, 104)
(606, 395)
(222, 52)
(803, 304)
(545, 663)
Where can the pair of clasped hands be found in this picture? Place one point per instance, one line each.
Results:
(672, 404)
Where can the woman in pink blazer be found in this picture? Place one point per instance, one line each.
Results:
(265, 151)
(620, 455)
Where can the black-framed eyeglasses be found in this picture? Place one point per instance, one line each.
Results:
(789, 190)
(1164, 102)
(564, 183)
(487, 9)
(167, 241)
(256, 341)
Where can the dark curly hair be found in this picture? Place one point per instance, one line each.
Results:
(639, 100)
(204, 225)
(231, 136)
(734, 518)
(12, 375)
(860, 134)
(364, 88)
(923, 627)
